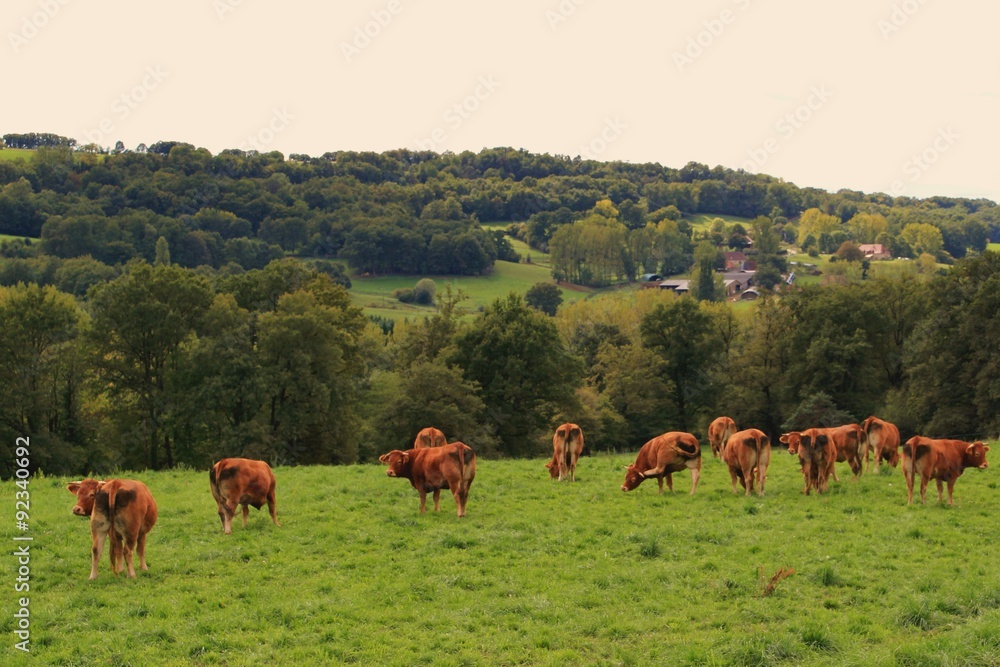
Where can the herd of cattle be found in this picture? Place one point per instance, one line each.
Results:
(125, 510)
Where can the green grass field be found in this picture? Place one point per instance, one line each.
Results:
(8, 237)
(375, 294)
(703, 221)
(995, 247)
(16, 153)
(538, 573)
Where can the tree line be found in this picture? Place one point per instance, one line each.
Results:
(419, 212)
(163, 366)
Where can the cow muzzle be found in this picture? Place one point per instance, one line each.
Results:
(77, 510)
(390, 472)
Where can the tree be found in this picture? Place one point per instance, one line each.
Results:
(816, 223)
(545, 297)
(516, 355)
(923, 238)
(162, 252)
(849, 252)
(140, 321)
(424, 291)
(682, 334)
(708, 286)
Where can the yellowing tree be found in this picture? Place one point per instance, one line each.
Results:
(814, 222)
(865, 227)
(923, 238)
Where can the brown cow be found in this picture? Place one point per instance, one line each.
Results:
(242, 482)
(817, 454)
(884, 437)
(567, 445)
(718, 433)
(429, 437)
(748, 453)
(123, 507)
(850, 442)
(434, 468)
(661, 457)
(941, 460)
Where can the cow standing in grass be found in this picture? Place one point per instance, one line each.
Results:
(817, 454)
(567, 445)
(883, 437)
(718, 433)
(123, 507)
(661, 457)
(434, 468)
(941, 460)
(242, 482)
(748, 453)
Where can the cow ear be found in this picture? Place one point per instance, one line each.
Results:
(406, 457)
(384, 458)
(73, 487)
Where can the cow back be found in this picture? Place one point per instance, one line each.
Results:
(429, 437)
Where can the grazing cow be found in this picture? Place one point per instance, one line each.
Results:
(661, 457)
(718, 433)
(434, 468)
(429, 437)
(242, 482)
(567, 445)
(123, 507)
(748, 453)
(941, 460)
(817, 454)
(884, 437)
(850, 442)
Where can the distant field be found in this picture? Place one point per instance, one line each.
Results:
(8, 237)
(15, 153)
(375, 294)
(995, 247)
(356, 576)
(704, 220)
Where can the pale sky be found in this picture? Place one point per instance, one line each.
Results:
(897, 96)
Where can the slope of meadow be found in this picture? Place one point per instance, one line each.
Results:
(539, 573)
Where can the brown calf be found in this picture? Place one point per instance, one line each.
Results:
(429, 437)
(661, 457)
(883, 436)
(748, 453)
(941, 460)
(242, 482)
(567, 445)
(123, 507)
(434, 468)
(718, 433)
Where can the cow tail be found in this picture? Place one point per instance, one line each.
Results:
(112, 492)
(213, 479)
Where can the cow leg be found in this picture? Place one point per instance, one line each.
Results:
(246, 512)
(117, 555)
(747, 479)
(140, 547)
(951, 487)
(923, 487)
(272, 507)
(908, 473)
(940, 486)
(734, 477)
(459, 502)
(437, 500)
(833, 469)
(423, 501)
(670, 481)
(98, 534)
(695, 476)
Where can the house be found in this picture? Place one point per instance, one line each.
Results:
(737, 282)
(735, 261)
(875, 251)
(679, 286)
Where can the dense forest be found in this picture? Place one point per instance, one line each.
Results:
(167, 316)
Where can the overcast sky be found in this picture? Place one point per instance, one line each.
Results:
(897, 96)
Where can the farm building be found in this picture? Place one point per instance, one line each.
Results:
(875, 251)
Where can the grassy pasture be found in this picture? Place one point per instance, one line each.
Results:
(374, 294)
(16, 153)
(995, 247)
(539, 573)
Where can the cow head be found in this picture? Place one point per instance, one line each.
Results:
(396, 460)
(85, 491)
(633, 478)
(553, 467)
(975, 455)
(792, 440)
